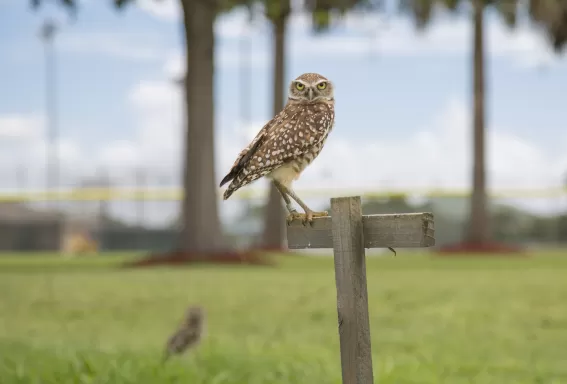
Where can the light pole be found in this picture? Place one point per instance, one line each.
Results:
(245, 47)
(52, 161)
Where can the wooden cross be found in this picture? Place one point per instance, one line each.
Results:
(348, 232)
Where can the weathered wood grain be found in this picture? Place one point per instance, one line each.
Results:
(352, 295)
(407, 230)
(348, 232)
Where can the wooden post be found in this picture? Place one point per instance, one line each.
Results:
(348, 232)
(352, 295)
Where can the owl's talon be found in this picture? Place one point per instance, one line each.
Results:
(308, 218)
(294, 215)
(291, 216)
(309, 215)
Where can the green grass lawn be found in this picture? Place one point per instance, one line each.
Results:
(432, 321)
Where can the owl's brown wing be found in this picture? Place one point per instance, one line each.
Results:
(292, 139)
(245, 155)
(283, 141)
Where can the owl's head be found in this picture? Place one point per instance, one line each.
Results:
(194, 316)
(311, 88)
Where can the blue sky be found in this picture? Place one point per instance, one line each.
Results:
(403, 99)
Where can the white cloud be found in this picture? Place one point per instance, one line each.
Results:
(164, 9)
(121, 153)
(20, 128)
(160, 138)
(157, 107)
(23, 145)
(158, 142)
(174, 66)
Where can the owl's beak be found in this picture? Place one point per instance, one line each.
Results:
(310, 93)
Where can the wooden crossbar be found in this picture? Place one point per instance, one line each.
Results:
(405, 230)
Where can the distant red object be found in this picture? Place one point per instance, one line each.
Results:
(481, 249)
(181, 257)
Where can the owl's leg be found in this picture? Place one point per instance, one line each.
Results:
(309, 213)
(293, 214)
(281, 190)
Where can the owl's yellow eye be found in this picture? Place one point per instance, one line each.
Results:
(299, 86)
(322, 85)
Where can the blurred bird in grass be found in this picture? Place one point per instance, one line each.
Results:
(189, 333)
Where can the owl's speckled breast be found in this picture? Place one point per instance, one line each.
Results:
(291, 171)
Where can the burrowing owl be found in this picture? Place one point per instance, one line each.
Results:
(188, 334)
(289, 142)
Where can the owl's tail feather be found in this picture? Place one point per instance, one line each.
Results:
(231, 175)
(235, 175)
(230, 190)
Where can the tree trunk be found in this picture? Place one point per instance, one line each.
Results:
(478, 231)
(201, 224)
(274, 215)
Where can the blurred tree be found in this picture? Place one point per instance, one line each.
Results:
(322, 11)
(478, 228)
(552, 16)
(201, 224)
(277, 12)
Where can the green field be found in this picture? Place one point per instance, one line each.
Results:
(432, 321)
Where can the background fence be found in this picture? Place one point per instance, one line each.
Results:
(148, 218)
